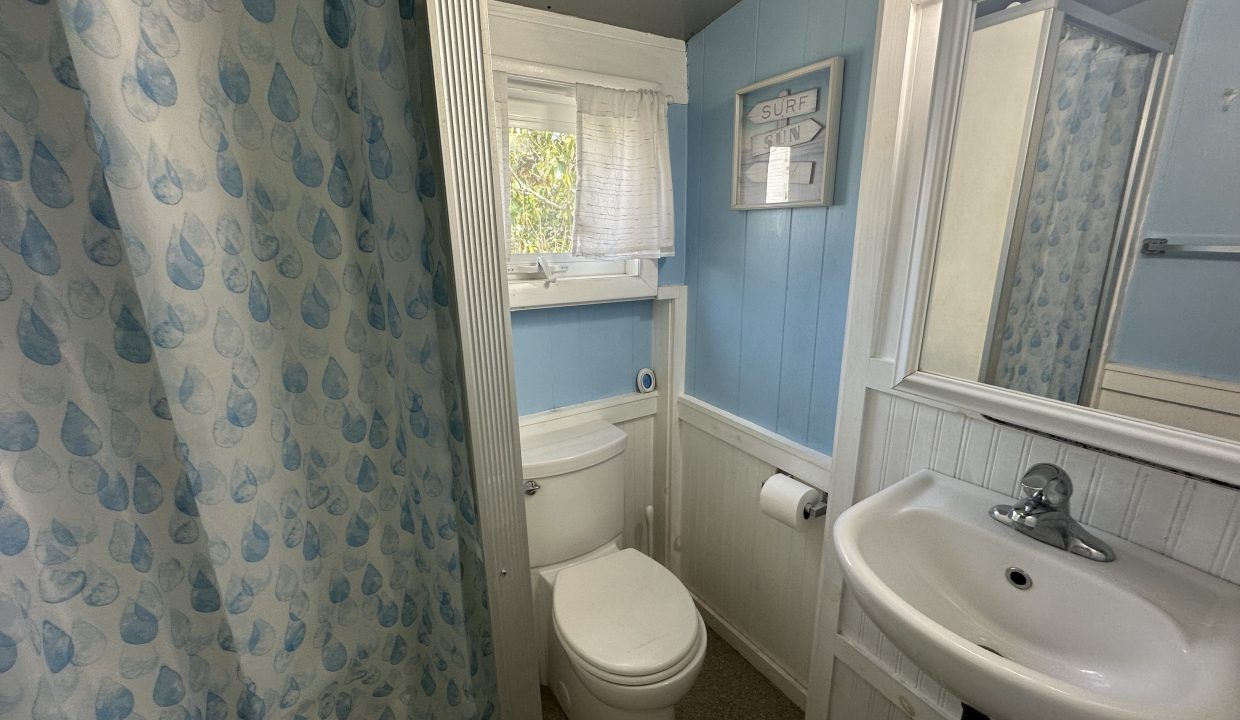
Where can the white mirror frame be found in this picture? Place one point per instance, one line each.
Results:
(1174, 448)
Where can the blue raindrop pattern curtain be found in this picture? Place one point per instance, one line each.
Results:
(232, 474)
(1088, 140)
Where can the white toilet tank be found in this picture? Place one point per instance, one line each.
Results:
(580, 502)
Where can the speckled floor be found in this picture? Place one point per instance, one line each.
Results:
(729, 688)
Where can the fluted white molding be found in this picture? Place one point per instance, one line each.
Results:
(460, 56)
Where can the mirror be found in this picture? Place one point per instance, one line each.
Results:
(1088, 249)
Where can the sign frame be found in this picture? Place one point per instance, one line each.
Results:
(819, 151)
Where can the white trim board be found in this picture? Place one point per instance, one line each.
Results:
(667, 351)
(615, 410)
(808, 466)
(537, 43)
(642, 283)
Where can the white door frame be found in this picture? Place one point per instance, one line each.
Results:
(460, 57)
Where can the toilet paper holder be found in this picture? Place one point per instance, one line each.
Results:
(814, 509)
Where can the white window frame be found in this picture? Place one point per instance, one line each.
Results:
(551, 280)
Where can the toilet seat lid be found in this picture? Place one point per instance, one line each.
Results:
(625, 614)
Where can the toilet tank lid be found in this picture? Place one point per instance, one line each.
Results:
(555, 452)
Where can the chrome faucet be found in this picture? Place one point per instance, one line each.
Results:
(1042, 514)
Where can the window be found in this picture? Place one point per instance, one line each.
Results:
(542, 168)
(542, 192)
(540, 137)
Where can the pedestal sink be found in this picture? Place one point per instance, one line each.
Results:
(1024, 631)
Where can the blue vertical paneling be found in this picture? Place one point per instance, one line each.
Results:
(781, 30)
(800, 328)
(825, 30)
(729, 48)
(696, 60)
(860, 25)
(769, 289)
(762, 315)
(672, 269)
(531, 344)
(570, 355)
(563, 360)
(1193, 198)
(609, 344)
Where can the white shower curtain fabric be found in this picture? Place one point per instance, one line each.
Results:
(233, 481)
(624, 175)
(1097, 95)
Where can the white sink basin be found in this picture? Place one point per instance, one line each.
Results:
(1143, 637)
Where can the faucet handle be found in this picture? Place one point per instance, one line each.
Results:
(1047, 484)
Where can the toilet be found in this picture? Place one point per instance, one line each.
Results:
(619, 635)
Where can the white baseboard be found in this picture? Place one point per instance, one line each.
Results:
(754, 655)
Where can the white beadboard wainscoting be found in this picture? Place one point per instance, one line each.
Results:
(1194, 521)
(634, 414)
(755, 579)
(853, 698)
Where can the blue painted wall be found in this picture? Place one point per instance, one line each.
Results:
(571, 355)
(769, 289)
(1181, 314)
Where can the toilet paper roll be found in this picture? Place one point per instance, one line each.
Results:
(784, 499)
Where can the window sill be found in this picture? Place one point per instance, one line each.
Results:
(586, 290)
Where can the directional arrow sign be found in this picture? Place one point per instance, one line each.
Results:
(790, 136)
(784, 107)
(799, 173)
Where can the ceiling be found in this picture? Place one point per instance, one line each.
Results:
(669, 18)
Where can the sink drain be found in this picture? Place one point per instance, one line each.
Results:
(1018, 578)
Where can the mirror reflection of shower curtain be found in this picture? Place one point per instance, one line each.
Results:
(1061, 258)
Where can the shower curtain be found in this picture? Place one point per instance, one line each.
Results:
(232, 474)
(1088, 138)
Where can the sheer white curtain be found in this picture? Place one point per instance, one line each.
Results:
(499, 120)
(624, 175)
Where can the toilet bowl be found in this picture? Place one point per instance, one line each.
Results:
(621, 637)
(629, 642)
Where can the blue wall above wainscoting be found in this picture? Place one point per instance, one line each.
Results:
(768, 289)
(1179, 314)
(576, 354)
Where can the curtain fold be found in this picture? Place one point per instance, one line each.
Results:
(499, 122)
(1088, 139)
(624, 175)
(233, 481)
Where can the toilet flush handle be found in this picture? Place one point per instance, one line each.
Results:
(532, 487)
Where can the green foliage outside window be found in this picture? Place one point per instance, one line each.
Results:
(542, 190)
